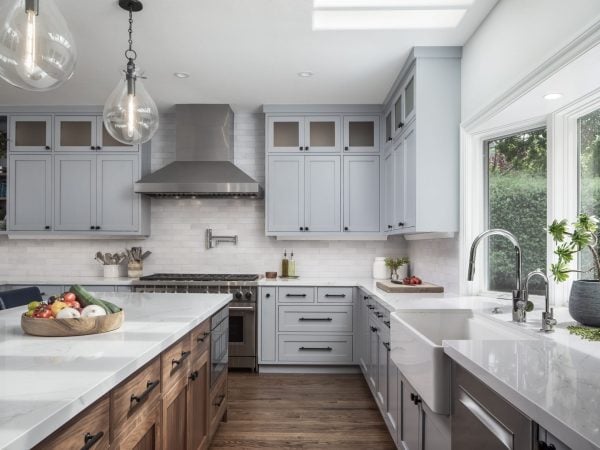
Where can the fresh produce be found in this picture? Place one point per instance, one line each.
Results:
(87, 299)
(57, 306)
(69, 297)
(43, 312)
(93, 311)
(412, 281)
(68, 313)
(32, 305)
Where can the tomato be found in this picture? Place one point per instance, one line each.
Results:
(42, 313)
(73, 303)
(69, 297)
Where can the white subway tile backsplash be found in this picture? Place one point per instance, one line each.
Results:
(178, 227)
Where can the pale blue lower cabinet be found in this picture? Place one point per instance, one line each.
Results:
(306, 325)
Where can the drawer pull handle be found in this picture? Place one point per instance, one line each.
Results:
(91, 439)
(295, 295)
(324, 349)
(135, 399)
(241, 308)
(219, 402)
(194, 375)
(336, 295)
(203, 337)
(387, 346)
(315, 319)
(177, 362)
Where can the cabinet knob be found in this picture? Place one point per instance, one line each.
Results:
(301, 228)
(98, 148)
(345, 149)
(306, 148)
(92, 227)
(47, 227)
(400, 224)
(389, 139)
(305, 228)
(97, 228)
(92, 148)
(301, 148)
(345, 228)
(400, 124)
(47, 147)
(390, 227)
(268, 295)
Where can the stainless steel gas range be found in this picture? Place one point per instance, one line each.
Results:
(242, 310)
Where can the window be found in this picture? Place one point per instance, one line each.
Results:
(517, 202)
(588, 134)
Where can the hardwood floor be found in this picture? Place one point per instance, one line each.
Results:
(309, 411)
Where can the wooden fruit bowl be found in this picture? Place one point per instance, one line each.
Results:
(80, 326)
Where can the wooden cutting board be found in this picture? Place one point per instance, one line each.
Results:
(425, 288)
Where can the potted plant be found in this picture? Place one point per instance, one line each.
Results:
(584, 300)
(394, 264)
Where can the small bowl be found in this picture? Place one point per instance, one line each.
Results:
(271, 275)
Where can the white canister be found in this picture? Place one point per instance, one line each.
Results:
(111, 271)
(380, 271)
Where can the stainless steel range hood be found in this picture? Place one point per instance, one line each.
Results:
(203, 164)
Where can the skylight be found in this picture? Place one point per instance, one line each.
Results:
(388, 14)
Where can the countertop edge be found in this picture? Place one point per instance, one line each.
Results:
(46, 427)
(559, 429)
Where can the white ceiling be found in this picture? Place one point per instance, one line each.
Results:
(242, 52)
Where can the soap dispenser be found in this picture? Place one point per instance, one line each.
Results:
(285, 265)
(292, 265)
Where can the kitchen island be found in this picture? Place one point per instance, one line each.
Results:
(46, 382)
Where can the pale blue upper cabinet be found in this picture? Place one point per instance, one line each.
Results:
(75, 133)
(75, 192)
(30, 192)
(322, 134)
(285, 134)
(399, 186)
(410, 178)
(107, 143)
(389, 127)
(322, 193)
(388, 191)
(398, 113)
(117, 205)
(30, 133)
(285, 193)
(409, 99)
(361, 134)
(361, 193)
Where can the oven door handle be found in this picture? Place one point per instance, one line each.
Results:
(241, 308)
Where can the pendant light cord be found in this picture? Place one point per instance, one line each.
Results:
(130, 53)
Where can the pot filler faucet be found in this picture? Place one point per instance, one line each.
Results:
(548, 320)
(519, 302)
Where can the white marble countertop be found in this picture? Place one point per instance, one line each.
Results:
(44, 382)
(64, 281)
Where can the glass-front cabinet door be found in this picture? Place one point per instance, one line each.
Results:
(389, 133)
(322, 134)
(361, 134)
(398, 115)
(107, 143)
(409, 100)
(30, 133)
(74, 133)
(286, 134)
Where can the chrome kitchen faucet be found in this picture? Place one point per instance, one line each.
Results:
(519, 313)
(548, 320)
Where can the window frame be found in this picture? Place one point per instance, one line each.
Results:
(562, 190)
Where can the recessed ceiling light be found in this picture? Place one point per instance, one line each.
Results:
(553, 96)
(385, 19)
(305, 74)
(182, 74)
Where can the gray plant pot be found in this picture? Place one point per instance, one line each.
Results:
(584, 302)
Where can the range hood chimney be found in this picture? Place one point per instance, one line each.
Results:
(203, 164)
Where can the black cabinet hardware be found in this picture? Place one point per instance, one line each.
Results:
(301, 148)
(387, 323)
(390, 227)
(415, 398)
(92, 148)
(193, 375)
(345, 149)
(379, 315)
(47, 147)
(137, 399)
(301, 228)
(345, 228)
(306, 148)
(98, 148)
(295, 295)
(544, 446)
(387, 346)
(371, 307)
(47, 227)
(400, 224)
(335, 295)
(305, 228)
(315, 319)
(374, 330)
(324, 349)
(91, 439)
(389, 139)
(92, 227)
(366, 297)
(203, 337)
(400, 124)
(219, 402)
(268, 295)
(177, 362)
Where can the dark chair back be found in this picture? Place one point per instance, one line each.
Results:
(19, 297)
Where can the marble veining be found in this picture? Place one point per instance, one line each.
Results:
(44, 382)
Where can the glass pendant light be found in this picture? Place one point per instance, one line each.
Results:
(37, 50)
(130, 114)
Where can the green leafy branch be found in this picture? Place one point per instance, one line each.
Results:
(571, 239)
(395, 263)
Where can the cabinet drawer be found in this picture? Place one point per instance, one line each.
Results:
(175, 362)
(296, 294)
(93, 423)
(200, 337)
(334, 295)
(315, 349)
(315, 318)
(135, 396)
(218, 404)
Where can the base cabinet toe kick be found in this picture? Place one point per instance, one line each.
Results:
(170, 403)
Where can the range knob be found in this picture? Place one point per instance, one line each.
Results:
(238, 295)
(248, 295)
